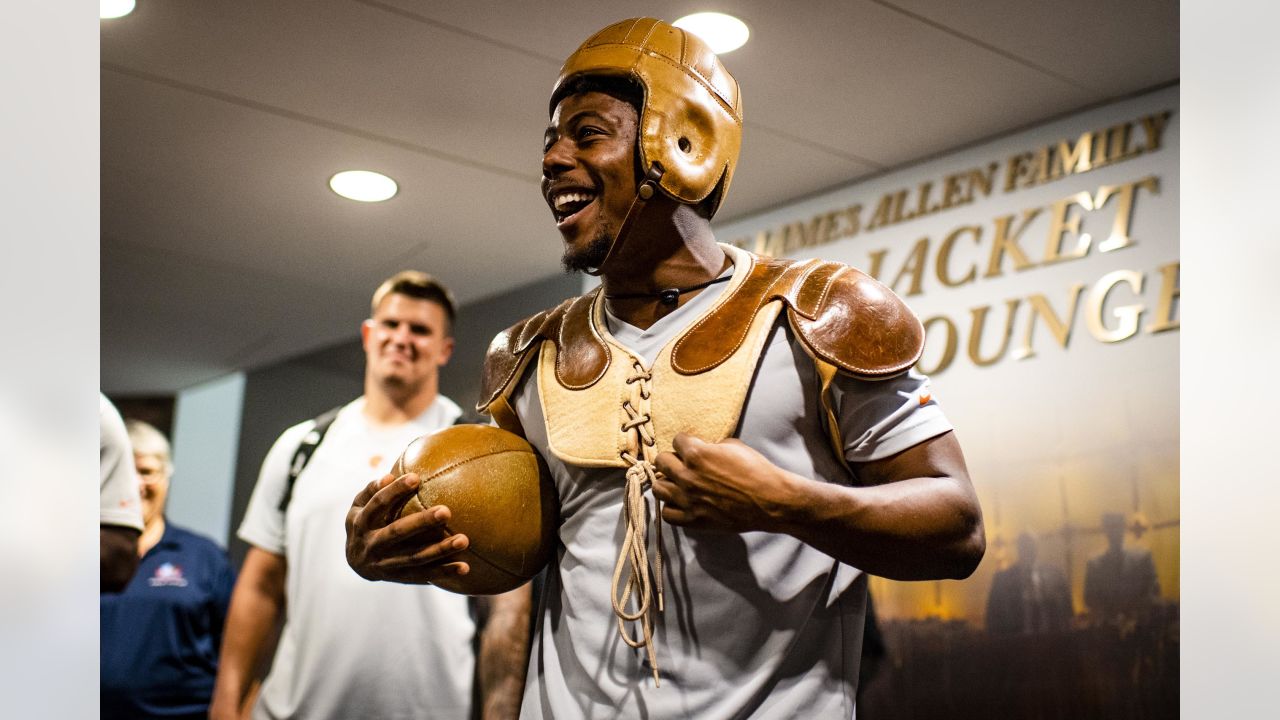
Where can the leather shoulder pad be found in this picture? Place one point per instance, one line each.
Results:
(851, 320)
(717, 336)
(582, 356)
(841, 315)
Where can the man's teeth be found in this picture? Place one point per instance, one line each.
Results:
(569, 198)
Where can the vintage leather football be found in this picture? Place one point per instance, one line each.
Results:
(500, 495)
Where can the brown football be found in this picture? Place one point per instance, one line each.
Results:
(500, 495)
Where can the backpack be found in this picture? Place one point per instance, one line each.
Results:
(305, 450)
(308, 446)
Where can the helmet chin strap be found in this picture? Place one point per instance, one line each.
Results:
(648, 188)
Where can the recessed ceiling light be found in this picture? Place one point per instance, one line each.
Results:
(724, 33)
(109, 9)
(363, 185)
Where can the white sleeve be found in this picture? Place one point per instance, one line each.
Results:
(118, 492)
(879, 418)
(263, 524)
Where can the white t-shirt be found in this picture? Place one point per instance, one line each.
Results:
(352, 648)
(118, 494)
(756, 625)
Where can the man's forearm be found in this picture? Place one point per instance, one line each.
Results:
(504, 653)
(250, 623)
(257, 605)
(913, 515)
(924, 528)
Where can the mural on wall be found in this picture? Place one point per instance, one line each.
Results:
(1045, 268)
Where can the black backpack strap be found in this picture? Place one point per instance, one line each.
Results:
(305, 450)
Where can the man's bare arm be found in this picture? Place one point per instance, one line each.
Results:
(257, 606)
(504, 652)
(117, 557)
(914, 515)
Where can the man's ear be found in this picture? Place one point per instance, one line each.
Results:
(446, 350)
(366, 327)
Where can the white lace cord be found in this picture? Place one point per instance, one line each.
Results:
(641, 474)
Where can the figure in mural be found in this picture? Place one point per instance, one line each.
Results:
(1120, 584)
(1028, 597)
(737, 441)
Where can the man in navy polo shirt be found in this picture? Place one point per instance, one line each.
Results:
(161, 635)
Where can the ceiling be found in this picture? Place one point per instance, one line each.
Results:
(223, 248)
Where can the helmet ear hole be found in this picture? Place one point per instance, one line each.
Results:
(689, 109)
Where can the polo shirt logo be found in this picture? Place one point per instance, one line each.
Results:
(168, 575)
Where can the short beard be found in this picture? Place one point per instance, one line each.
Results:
(400, 389)
(590, 257)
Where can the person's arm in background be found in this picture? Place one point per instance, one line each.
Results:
(257, 610)
(224, 583)
(504, 652)
(120, 515)
(257, 606)
(118, 547)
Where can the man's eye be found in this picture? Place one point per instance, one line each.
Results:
(419, 329)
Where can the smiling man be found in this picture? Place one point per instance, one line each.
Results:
(737, 441)
(350, 648)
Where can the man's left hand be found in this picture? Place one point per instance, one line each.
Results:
(724, 486)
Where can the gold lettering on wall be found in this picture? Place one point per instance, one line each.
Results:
(876, 264)
(1169, 294)
(981, 180)
(979, 316)
(1075, 225)
(1074, 157)
(818, 230)
(952, 191)
(1120, 323)
(943, 265)
(1153, 126)
(1052, 161)
(1124, 195)
(1128, 315)
(914, 266)
(1067, 219)
(1008, 242)
(1090, 151)
(1060, 329)
(949, 343)
(883, 214)
(1061, 222)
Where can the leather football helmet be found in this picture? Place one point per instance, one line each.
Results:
(691, 117)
